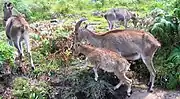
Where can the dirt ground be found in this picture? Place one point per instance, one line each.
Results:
(157, 94)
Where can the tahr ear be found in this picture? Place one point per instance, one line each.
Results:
(86, 26)
(77, 44)
(135, 14)
(76, 33)
(9, 5)
(5, 3)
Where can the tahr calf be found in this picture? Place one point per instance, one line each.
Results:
(17, 29)
(131, 44)
(108, 61)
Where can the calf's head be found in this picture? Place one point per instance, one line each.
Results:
(77, 51)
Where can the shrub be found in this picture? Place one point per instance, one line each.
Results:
(177, 12)
(24, 88)
(165, 30)
(80, 83)
(6, 54)
(22, 7)
(168, 68)
(67, 7)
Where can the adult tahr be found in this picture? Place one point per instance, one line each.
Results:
(131, 44)
(17, 29)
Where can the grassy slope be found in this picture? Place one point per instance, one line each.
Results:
(50, 66)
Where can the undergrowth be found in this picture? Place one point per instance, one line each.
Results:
(30, 89)
(6, 55)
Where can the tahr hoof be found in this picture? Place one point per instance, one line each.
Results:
(115, 88)
(150, 90)
(95, 79)
(32, 68)
(129, 93)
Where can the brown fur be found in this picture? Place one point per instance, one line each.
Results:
(108, 61)
(17, 29)
(117, 30)
(132, 44)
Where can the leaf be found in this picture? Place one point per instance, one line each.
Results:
(173, 82)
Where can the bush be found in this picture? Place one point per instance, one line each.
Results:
(165, 30)
(22, 7)
(174, 68)
(168, 75)
(81, 84)
(35, 10)
(6, 54)
(177, 12)
(65, 9)
(24, 88)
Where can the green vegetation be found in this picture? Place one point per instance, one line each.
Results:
(53, 57)
(166, 30)
(84, 77)
(29, 89)
(6, 55)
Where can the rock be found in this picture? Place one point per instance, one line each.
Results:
(54, 21)
(55, 81)
(97, 13)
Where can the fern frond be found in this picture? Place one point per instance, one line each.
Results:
(174, 56)
(177, 12)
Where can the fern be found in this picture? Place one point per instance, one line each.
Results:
(173, 81)
(174, 56)
(173, 70)
(157, 12)
(159, 31)
(165, 30)
(177, 8)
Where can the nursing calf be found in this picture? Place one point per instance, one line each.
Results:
(107, 60)
(131, 44)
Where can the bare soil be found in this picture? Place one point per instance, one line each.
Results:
(139, 93)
